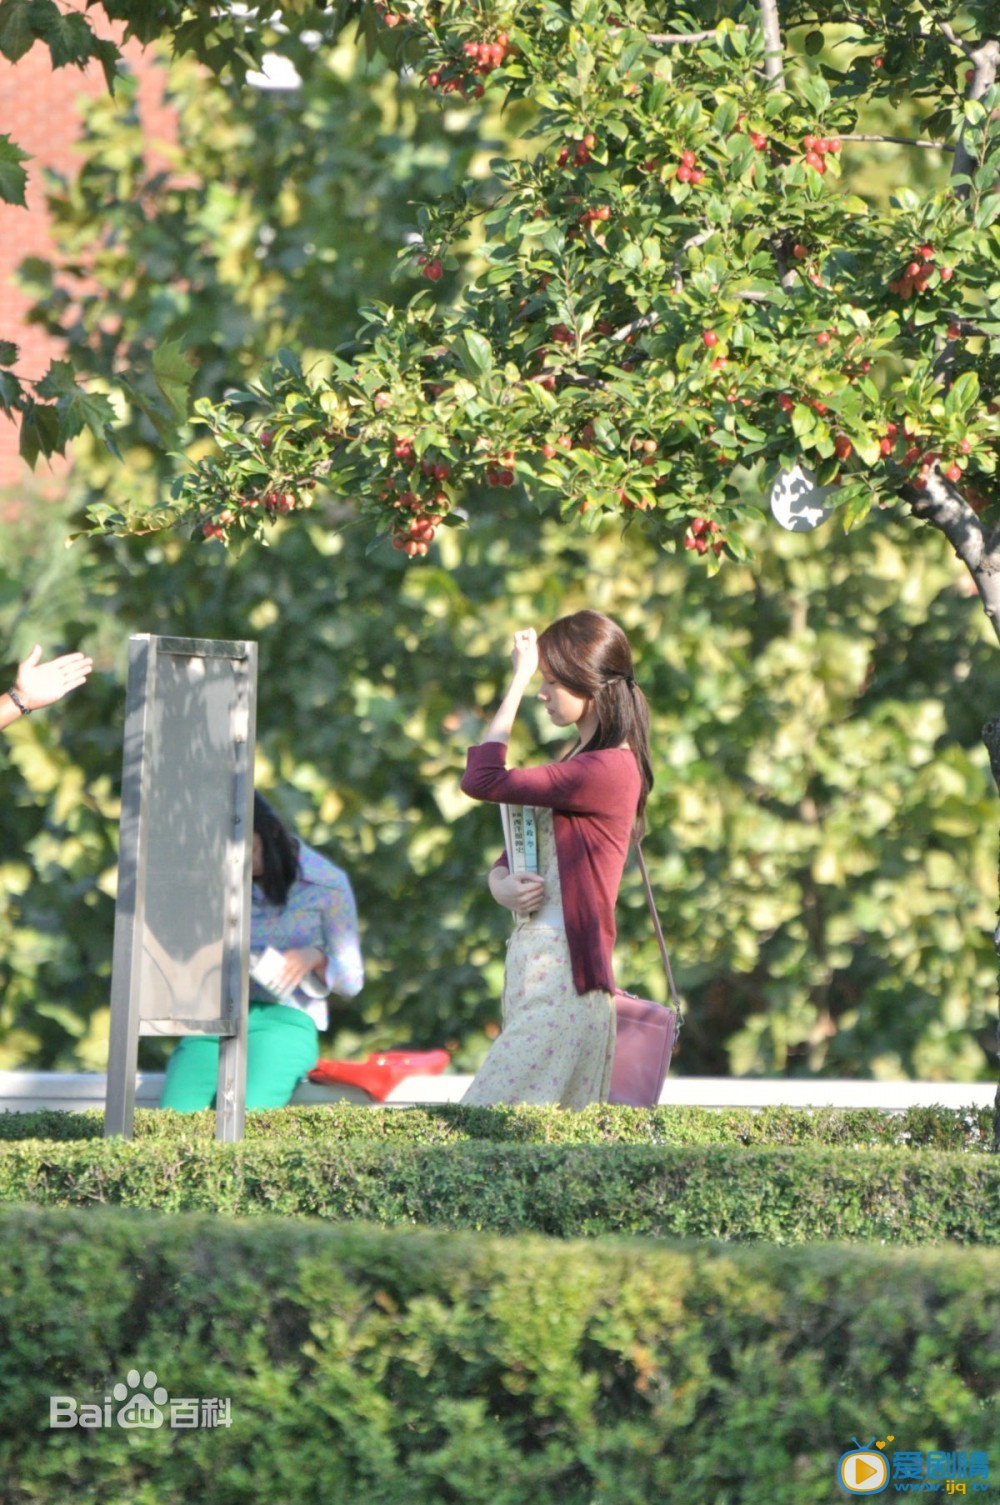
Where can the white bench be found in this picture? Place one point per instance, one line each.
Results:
(27, 1091)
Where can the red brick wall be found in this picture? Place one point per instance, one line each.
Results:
(41, 113)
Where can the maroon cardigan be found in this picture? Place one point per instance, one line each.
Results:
(593, 797)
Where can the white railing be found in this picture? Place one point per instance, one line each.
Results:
(27, 1091)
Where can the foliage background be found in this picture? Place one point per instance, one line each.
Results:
(822, 833)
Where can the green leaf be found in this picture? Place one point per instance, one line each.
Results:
(11, 392)
(856, 510)
(474, 352)
(814, 43)
(963, 394)
(9, 353)
(39, 432)
(173, 372)
(13, 178)
(58, 381)
(17, 31)
(84, 410)
(725, 118)
(68, 37)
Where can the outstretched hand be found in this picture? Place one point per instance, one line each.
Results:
(41, 684)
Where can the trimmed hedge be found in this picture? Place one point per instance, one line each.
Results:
(342, 1123)
(786, 1195)
(424, 1369)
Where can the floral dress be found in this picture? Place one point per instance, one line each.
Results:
(556, 1045)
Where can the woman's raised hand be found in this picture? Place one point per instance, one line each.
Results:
(525, 654)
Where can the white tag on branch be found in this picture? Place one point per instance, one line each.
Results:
(797, 502)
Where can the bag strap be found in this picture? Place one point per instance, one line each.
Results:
(658, 928)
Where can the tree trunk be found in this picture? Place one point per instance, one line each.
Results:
(991, 736)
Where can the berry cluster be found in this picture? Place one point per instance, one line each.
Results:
(816, 148)
(917, 273)
(699, 536)
(688, 170)
(460, 75)
(576, 152)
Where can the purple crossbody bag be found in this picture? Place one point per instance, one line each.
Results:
(644, 1031)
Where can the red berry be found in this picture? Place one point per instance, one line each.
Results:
(843, 447)
(433, 270)
(965, 446)
(953, 473)
(823, 338)
(688, 159)
(683, 174)
(710, 338)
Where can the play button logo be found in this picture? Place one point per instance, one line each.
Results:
(863, 1472)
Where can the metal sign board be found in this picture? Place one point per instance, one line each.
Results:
(182, 915)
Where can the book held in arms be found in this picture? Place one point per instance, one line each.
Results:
(520, 834)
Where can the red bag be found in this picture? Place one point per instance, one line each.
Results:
(644, 1041)
(382, 1071)
(644, 1031)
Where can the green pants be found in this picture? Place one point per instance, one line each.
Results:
(282, 1045)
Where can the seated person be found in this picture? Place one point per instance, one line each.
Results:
(304, 909)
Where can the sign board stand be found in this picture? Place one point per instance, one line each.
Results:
(181, 945)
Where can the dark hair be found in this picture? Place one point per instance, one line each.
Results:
(281, 852)
(590, 655)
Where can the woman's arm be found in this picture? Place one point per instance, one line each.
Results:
(525, 660)
(344, 972)
(594, 783)
(521, 893)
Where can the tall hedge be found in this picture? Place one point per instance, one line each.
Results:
(420, 1369)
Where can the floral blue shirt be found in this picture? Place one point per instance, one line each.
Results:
(320, 911)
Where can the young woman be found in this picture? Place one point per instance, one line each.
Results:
(558, 1033)
(302, 907)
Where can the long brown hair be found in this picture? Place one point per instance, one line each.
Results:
(591, 656)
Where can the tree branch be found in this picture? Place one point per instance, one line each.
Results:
(940, 146)
(681, 39)
(770, 25)
(985, 60)
(646, 322)
(951, 35)
(945, 509)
